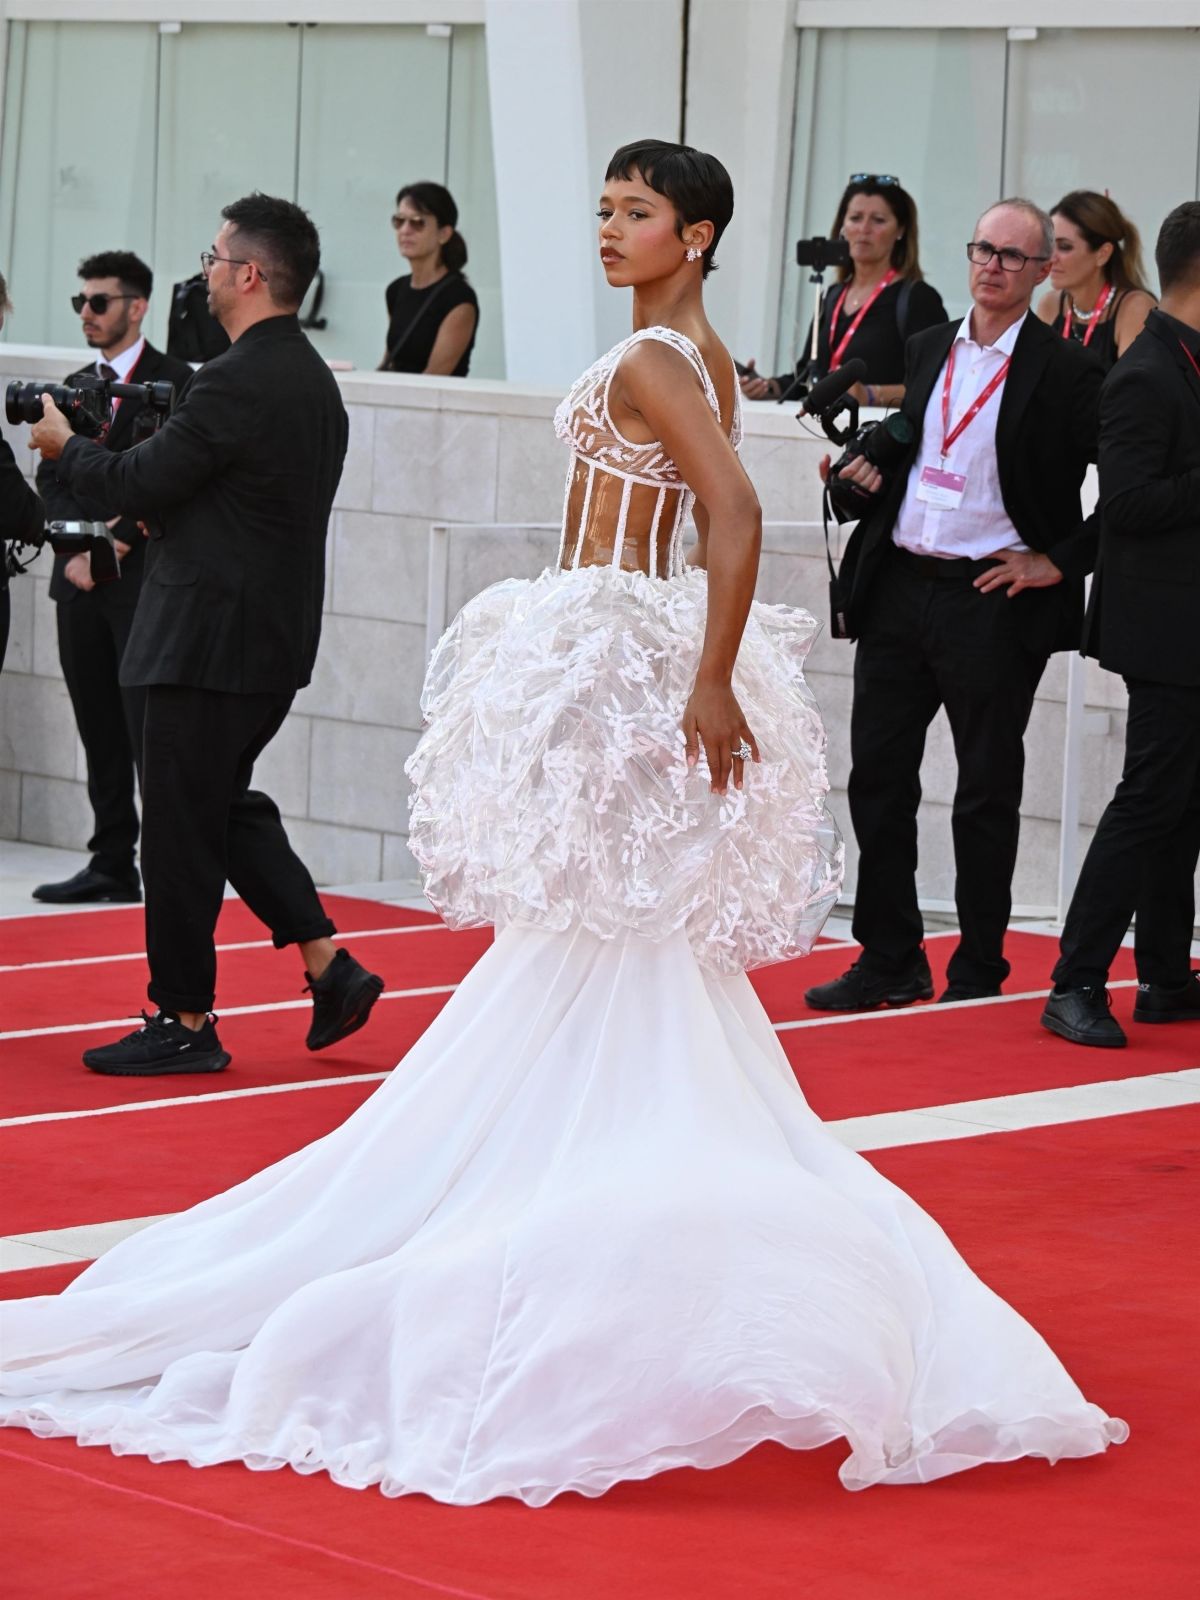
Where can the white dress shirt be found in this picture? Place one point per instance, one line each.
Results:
(979, 525)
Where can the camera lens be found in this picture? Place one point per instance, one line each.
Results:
(23, 402)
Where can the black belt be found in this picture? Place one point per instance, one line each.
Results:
(958, 568)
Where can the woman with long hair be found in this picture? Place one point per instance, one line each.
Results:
(589, 1229)
(433, 314)
(879, 300)
(1098, 294)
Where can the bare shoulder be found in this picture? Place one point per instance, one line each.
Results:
(1136, 306)
(1047, 306)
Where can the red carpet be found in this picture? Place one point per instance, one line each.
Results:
(122, 928)
(1087, 1228)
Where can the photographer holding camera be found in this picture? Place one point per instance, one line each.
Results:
(239, 484)
(963, 575)
(94, 618)
(21, 511)
(1142, 623)
(880, 300)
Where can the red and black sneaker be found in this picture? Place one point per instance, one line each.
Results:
(161, 1047)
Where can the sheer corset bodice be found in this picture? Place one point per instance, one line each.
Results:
(626, 504)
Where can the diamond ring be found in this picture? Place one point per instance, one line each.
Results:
(742, 751)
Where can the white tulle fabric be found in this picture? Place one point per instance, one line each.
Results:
(587, 1231)
(551, 787)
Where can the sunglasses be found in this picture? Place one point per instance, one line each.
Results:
(416, 223)
(99, 303)
(881, 178)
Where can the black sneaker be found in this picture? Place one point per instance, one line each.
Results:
(862, 990)
(1160, 1002)
(89, 887)
(342, 999)
(1084, 1016)
(163, 1046)
(953, 992)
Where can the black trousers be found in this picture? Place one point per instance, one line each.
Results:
(929, 639)
(1143, 855)
(92, 634)
(202, 825)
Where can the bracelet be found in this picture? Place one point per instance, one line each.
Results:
(870, 395)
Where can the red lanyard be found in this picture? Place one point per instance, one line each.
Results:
(1191, 357)
(950, 434)
(1096, 316)
(835, 360)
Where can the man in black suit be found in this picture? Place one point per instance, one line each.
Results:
(1142, 623)
(961, 578)
(237, 489)
(94, 619)
(21, 512)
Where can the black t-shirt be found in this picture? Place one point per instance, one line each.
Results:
(879, 339)
(415, 315)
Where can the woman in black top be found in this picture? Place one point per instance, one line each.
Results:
(432, 313)
(1099, 296)
(879, 301)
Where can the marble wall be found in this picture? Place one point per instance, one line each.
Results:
(482, 456)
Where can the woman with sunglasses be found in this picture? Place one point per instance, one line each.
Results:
(1099, 295)
(879, 301)
(433, 314)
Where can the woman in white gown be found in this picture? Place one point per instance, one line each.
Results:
(589, 1229)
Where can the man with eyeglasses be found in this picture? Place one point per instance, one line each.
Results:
(239, 485)
(94, 620)
(962, 578)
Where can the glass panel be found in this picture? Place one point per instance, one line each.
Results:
(373, 116)
(472, 182)
(1062, 133)
(227, 126)
(924, 104)
(80, 105)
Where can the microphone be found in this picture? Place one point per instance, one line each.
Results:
(831, 388)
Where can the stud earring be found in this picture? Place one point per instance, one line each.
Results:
(694, 254)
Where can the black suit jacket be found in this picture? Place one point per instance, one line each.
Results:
(20, 509)
(1144, 617)
(1045, 437)
(238, 488)
(152, 367)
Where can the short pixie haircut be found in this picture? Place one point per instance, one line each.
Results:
(696, 184)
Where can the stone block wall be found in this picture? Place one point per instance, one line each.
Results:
(483, 455)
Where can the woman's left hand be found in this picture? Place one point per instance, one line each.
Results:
(714, 719)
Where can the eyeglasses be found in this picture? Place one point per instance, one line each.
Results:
(981, 252)
(208, 257)
(99, 303)
(883, 179)
(416, 223)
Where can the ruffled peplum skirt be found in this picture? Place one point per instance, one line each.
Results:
(589, 1229)
(551, 788)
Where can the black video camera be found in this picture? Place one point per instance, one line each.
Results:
(70, 539)
(87, 403)
(821, 253)
(883, 444)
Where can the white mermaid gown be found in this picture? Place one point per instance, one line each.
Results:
(589, 1229)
